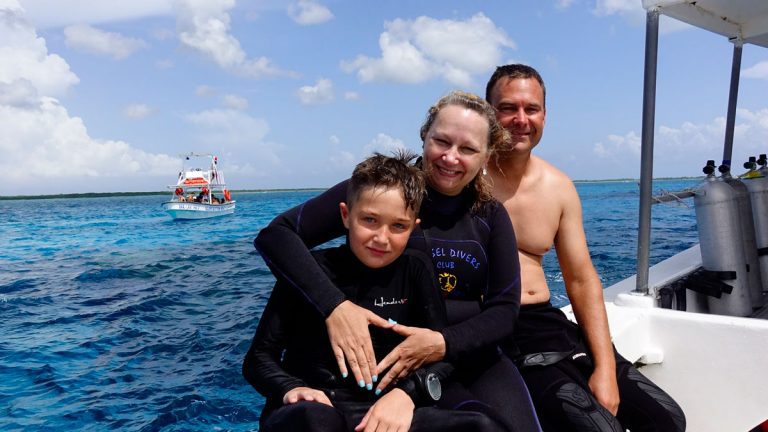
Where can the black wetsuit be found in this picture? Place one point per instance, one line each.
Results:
(475, 258)
(560, 390)
(291, 349)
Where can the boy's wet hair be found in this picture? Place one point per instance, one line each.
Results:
(514, 71)
(389, 172)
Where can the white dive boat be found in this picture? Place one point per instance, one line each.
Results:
(199, 192)
(714, 365)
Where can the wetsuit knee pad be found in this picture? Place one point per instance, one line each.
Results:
(582, 411)
(676, 421)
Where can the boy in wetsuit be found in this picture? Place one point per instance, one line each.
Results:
(290, 360)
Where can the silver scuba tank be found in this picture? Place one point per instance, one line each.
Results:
(747, 226)
(756, 182)
(722, 254)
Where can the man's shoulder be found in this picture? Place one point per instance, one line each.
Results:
(549, 173)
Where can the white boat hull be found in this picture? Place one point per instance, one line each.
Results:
(191, 210)
(714, 366)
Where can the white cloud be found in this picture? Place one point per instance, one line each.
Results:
(19, 93)
(320, 93)
(24, 56)
(676, 146)
(759, 71)
(308, 12)
(49, 151)
(618, 7)
(563, 4)
(414, 51)
(619, 146)
(203, 26)
(232, 131)
(383, 144)
(61, 13)
(634, 13)
(164, 64)
(82, 37)
(350, 95)
(235, 102)
(46, 150)
(339, 159)
(137, 111)
(204, 91)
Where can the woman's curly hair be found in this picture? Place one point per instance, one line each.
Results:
(497, 135)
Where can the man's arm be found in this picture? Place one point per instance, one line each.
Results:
(585, 291)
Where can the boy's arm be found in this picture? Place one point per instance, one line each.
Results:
(261, 367)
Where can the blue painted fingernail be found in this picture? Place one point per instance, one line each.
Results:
(369, 386)
(361, 383)
(375, 378)
(391, 321)
(378, 392)
(344, 375)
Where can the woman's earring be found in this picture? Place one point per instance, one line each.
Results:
(485, 171)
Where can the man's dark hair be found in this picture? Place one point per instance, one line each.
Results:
(514, 71)
(389, 172)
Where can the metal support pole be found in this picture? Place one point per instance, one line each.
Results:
(646, 152)
(733, 96)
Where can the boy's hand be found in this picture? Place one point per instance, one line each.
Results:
(351, 341)
(306, 394)
(393, 412)
(419, 347)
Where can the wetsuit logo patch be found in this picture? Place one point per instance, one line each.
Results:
(381, 302)
(447, 281)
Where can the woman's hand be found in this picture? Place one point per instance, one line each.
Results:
(351, 341)
(305, 394)
(392, 413)
(419, 347)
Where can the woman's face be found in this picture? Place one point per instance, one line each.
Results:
(455, 149)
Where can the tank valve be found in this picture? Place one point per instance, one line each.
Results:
(710, 168)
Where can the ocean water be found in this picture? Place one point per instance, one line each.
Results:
(116, 317)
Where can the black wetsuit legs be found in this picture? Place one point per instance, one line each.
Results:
(304, 416)
(565, 403)
(495, 387)
(317, 417)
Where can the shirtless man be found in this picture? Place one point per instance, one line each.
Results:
(579, 381)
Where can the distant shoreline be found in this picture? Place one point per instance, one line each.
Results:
(117, 194)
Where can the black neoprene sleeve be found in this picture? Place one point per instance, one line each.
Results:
(285, 242)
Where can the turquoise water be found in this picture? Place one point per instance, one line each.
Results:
(116, 317)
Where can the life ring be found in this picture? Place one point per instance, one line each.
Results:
(226, 195)
(179, 191)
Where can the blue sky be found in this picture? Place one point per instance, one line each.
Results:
(103, 96)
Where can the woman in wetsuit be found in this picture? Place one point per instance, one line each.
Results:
(472, 244)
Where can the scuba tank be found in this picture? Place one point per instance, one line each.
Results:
(747, 226)
(722, 254)
(756, 182)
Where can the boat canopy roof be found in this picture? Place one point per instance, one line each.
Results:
(745, 20)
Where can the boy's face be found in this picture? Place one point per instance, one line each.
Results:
(379, 225)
